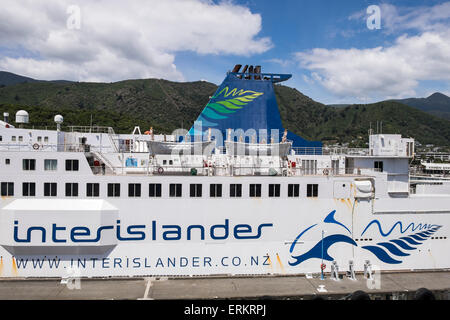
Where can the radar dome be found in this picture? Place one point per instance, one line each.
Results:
(59, 119)
(22, 116)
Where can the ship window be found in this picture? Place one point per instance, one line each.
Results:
(39, 139)
(215, 190)
(312, 190)
(29, 164)
(7, 189)
(1, 138)
(7, 161)
(29, 189)
(50, 189)
(378, 165)
(274, 190)
(45, 139)
(134, 189)
(293, 190)
(195, 190)
(113, 189)
(175, 190)
(13, 138)
(164, 162)
(154, 190)
(92, 190)
(50, 164)
(71, 189)
(235, 190)
(255, 190)
(71, 165)
(20, 138)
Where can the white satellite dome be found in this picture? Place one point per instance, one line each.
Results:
(59, 119)
(22, 116)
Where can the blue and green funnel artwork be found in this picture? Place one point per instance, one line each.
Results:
(246, 104)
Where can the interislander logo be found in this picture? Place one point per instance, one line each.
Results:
(221, 106)
(391, 251)
(84, 234)
(321, 248)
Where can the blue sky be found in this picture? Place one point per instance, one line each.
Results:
(333, 56)
(301, 25)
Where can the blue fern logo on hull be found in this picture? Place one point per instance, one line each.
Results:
(224, 103)
(391, 251)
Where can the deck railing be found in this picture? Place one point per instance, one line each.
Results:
(90, 129)
(331, 151)
(54, 147)
(233, 170)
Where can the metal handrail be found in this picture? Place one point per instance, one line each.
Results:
(234, 170)
(90, 129)
(274, 77)
(52, 147)
(330, 151)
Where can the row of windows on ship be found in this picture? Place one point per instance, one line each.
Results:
(20, 139)
(49, 164)
(155, 190)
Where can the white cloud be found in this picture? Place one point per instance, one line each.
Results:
(392, 71)
(122, 39)
(282, 62)
(396, 19)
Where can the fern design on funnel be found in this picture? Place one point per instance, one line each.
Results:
(219, 109)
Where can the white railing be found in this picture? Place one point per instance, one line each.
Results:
(54, 147)
(89, 129)
(330, 151)
(233, 170)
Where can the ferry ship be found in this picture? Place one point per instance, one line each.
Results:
(237, 194)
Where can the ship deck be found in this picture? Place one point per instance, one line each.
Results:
(393, 286)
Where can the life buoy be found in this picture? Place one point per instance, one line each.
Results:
(323, 266)
(325, 172)
(160, 170)
(36, 146)
(360, 295)
(424, 294)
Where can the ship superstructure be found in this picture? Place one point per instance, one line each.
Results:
(96, 203)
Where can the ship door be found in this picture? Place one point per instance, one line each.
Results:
(341, 190)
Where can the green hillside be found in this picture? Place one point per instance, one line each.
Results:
(313, 120)
(8, 78)
(169, 105)
(437, 104)
(163, 104)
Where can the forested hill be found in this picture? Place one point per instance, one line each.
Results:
(167, 105)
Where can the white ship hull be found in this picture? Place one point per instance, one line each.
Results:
(241, 236)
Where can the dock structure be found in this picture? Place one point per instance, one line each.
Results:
(385, 286)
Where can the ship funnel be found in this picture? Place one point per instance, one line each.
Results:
(243, 71)
(250, 71)
(237, 68)
(6, 117)
(246, 103)
(258, 71)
